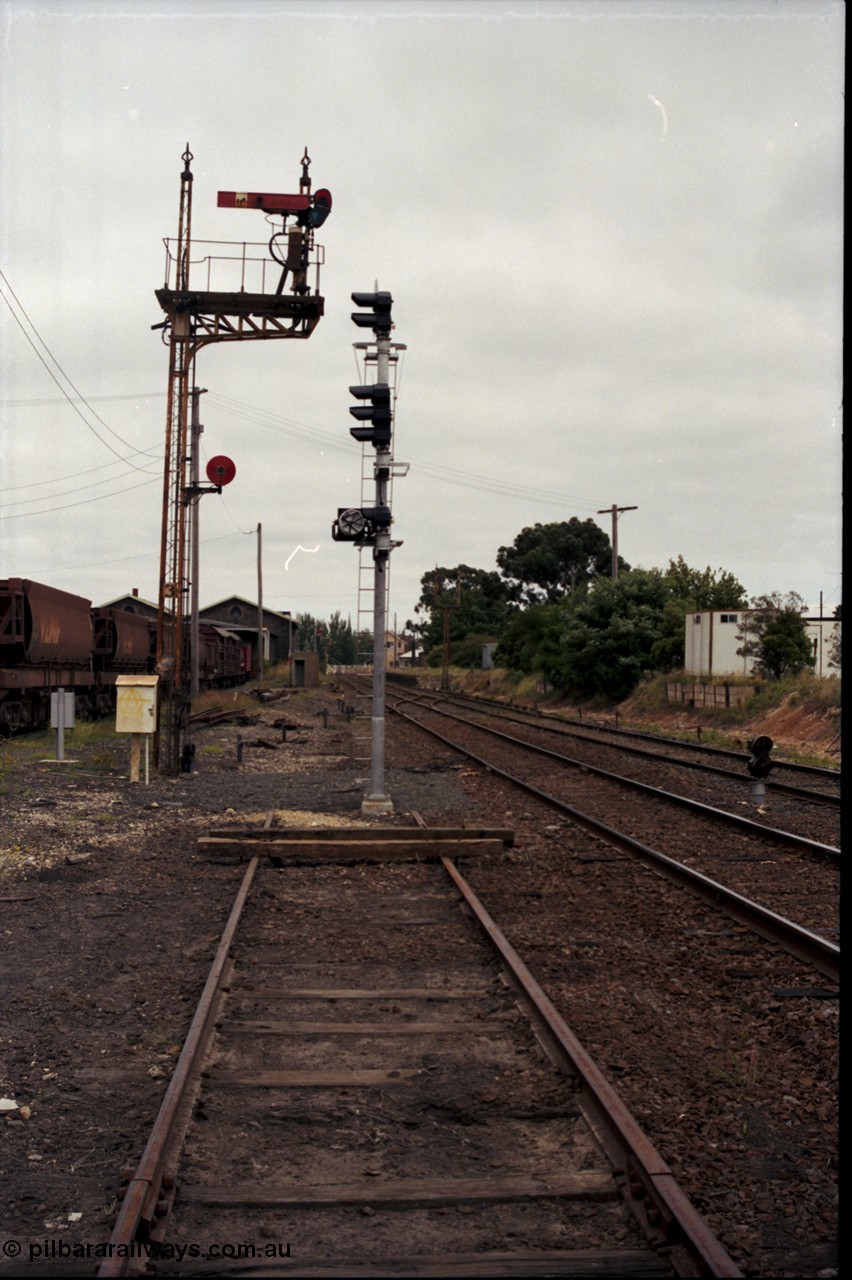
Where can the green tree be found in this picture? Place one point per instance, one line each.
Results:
(312, 636)
(633, 625)
(334, 641)
(611, 633)
(834, 646)
(691, 590)
(464, 653)
(705, 588)
(548, 561)
(341, 641)
(475, 601)
(775, 635)
(530, 643)
(364, 647)
(668, 653)
(308, 632)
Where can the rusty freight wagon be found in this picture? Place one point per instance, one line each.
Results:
(124, 644)
(222, 661)
(51, 639)
(46, 640)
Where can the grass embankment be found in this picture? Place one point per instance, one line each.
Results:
(802, 715)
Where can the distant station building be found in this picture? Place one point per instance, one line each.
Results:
(240, 616)
(712, 638)
(235, 614)
(133, 604)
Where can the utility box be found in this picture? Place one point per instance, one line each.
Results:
(305, 670)
(62, 709)
(488, 656)
(136, 704)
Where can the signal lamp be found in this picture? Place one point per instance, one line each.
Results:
(379, 318)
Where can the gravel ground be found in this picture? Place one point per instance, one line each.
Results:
(110, 920)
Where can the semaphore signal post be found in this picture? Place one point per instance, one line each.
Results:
(246, 291)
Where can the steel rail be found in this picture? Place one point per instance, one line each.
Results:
(787, 788)
(720, 815)
(209, 716)
(820, 771)
(797, 941)
(667, 1216)
(671, 1224)
(151, 1188)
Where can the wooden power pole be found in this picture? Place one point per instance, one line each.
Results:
(259, 606)
(616, 512)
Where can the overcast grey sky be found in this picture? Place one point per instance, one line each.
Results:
(613, 234)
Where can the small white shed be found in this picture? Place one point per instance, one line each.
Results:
(712, 638)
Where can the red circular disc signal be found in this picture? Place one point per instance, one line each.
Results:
(221, 470)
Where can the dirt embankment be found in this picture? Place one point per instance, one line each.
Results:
(803, 726)
(799, 723)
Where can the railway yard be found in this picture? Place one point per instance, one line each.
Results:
(585, 1028)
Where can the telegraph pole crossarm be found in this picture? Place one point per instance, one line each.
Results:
(615, 511)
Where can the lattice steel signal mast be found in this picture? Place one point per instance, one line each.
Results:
(259, 296)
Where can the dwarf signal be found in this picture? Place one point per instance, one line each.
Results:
(759, 765)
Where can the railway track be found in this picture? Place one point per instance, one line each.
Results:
(751, 872)
(819, 786)
(374, 1084)
(809, 782)
(722, 1047)
(727, 803)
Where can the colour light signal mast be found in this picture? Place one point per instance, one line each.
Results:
(370, 526)
(246, 304)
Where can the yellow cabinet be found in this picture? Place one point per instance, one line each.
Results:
(136, 704)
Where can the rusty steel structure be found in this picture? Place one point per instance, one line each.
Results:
(249, 303)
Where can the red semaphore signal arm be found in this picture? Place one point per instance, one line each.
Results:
(262, 200)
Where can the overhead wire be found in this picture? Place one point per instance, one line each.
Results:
(225, 506)
(78, 398)
(22, 515)
(451, 475)
(40, 484)
(40, 401)
(23, 502)
(240, 410)
(140, 555)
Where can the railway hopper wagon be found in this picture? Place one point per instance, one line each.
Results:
(51, 639)
(46, 642)
(124, 644)
(223, 660)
